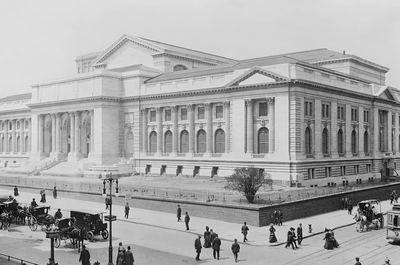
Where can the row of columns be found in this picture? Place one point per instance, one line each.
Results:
(6, 135)
(191, 129)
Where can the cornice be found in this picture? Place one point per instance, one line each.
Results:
(78, 78)
(182, 58)
(74, 101)
(13, 111)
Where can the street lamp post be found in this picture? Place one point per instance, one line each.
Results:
(109, 178)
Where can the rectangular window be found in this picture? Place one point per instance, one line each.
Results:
(183, 114)
(354, 114)
(327, 172)
(366, 116)
(340, 113)
(219, 112)
(392, 119)
(167, 115)
(152, 116)
(311, 172)
(263, 109)
(325, 110)
(343, 171)
(201, 113)
(308, 108)
(356, 169)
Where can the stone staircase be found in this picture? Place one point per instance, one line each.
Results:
(65, 169)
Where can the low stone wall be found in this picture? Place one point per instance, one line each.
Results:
(255, 216)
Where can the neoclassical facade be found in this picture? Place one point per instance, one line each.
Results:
(315, 117)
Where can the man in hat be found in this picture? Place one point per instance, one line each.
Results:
(244, 231)
(34, 203)
(216, 246)
(357, 261)
(197, 246)
(387, 261)
(235, 249)
(290, 238)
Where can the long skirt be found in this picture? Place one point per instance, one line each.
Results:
(328, 244)
(272, 238)
(207, 242)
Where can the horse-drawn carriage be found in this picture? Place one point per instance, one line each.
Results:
(67, 231)
(368, 215)
(91, 222)
(40, 216)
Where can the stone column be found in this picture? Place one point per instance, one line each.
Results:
(13, 142)
(250, 129)
(318, 129)
(145, 130)
(21, 136)
(91, 112)
(72, 125)
(375, 130)
(41, 134)
(334, 131)
(396, 133)
(192, 135)
(209, 128)
(349, 130)
(159, 130)
(58, 133)
(227, 126)
(77, 132)
(75, 153)
(174, 110)
(53, 133)
(389, 131)
(271, 114)
(361, 132)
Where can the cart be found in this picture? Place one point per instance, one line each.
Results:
(92, 222)
(40, 216)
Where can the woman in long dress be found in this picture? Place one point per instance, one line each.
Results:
(272, 237)
(207, 241)
(328, 240)
(333, 239)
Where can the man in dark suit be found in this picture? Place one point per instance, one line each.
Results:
(235, 249)
(187, 220)
(197, 246)
(85, 256)
(300, 234)
(216, 246)
(179, 213)
(244, 232)
(129, 257)
(290, 238)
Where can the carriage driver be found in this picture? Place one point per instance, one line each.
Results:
(34, 204)
(374, 211)
(58, 214)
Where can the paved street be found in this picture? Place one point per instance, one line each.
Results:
(157, 238)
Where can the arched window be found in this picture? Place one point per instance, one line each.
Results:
(219, 141)
(168, 142)
(366, 141)
(263, 141)
(179, 68)
(201, 141)
(184, 142)
(353, 142)
(325, 143)
(340, 141)
(308, 141)
(153, 142)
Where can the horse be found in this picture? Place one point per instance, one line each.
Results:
(361, 222)
(77, 236)
(6, 219)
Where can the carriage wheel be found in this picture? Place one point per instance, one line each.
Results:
(90, 236)
(104, 234)
(382, 221)
(33, 225)
(57, 241)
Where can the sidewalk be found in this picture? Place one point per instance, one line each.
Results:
(258, 236)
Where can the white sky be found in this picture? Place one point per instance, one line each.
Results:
(40, 39)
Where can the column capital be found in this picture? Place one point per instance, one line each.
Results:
(143, 110)
(270, 100)
(207, 105)
(159, 109)
(227, 103)
(190, 106)
(91, 112)
(249, 102)
(174, 108)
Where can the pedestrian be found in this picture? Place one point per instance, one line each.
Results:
(289, 241)
(121, 249)
(127, 210)
(85, 256)
(197, 246)
(272, 230)
(387, 261)
(16, 191)
(244, 232)
(357, 261)
(300, 234)
(107, 202)
(342, 203)
(207, 241)
(235, 249)
(280, 217)
(187, 220)
(216, 246)
(350, 208)
(43, 195)
(55, 192)
(294, 237)
(179, 213)
(328, 241)
(129, 257)
(120, 258)
(212, 235)
(276, 217)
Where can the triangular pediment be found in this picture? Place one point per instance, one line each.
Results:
(386, 92)
(256, 75)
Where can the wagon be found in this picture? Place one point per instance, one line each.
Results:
(40, 216)
(92, 222)
(374, 217)
(65, 229)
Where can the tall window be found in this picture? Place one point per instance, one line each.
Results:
(219, 112)
(219, 141)
(152, 116)
(153, 142)
(184, 141)
(340, 141)
(325, 110)
(366, 116)
(200, 113)
(263, 141)
(308, 141)
(325, 141)
(354, 142)
(308, 108)
(201, 141)
(263, 109)
(340, 113)
(354, 114)
(167, 115)
(168, 142)
(183, 114)
(366, 141)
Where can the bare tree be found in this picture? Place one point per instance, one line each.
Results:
(248, 181)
